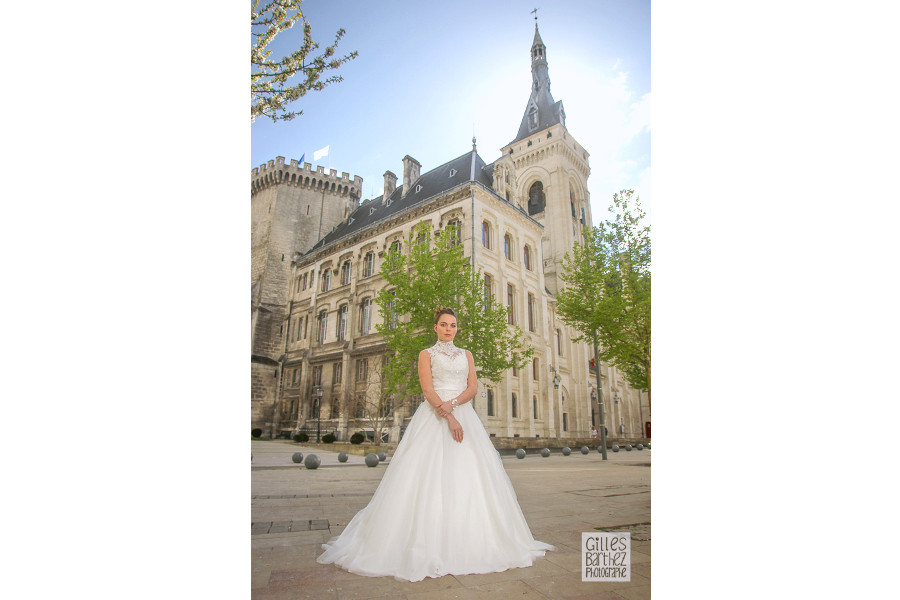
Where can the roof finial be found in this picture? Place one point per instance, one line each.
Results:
(473, 143)
(534, 12)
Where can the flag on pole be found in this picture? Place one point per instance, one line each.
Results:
(302, 158)
(320, 153)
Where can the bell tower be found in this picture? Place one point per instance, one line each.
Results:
(549, 169)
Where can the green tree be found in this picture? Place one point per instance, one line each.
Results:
(433, 274)
(270, 91)
(607, 291)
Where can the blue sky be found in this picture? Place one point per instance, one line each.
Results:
(430, 73)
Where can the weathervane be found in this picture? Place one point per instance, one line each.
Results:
(534, 12)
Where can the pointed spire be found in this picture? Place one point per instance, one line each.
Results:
(542, 110)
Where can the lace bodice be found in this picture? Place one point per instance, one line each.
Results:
(449, 367)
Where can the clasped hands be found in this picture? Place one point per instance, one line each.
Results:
(445, 409)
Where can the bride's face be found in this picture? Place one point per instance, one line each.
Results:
(446, 328)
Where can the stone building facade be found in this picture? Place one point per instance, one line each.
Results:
(317, 254)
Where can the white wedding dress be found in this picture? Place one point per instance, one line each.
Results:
(442, 507)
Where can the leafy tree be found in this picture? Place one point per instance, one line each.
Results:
(376, 404)
(607, 292)
(434, 274)
(270, 92)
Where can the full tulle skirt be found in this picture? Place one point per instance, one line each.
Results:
(442, 507)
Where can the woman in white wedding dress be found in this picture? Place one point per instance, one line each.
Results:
(445, 505)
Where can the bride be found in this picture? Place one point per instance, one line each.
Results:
(445, 505)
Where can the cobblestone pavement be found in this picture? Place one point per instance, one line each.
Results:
(294, 510)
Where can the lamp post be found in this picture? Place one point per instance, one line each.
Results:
(318, 414)
(600, 397)
(559, 403)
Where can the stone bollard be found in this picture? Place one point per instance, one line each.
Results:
(520, 453)
(615, 448)
(297, 457)
(585, 449)
(628, 447)
(566, 451)
(342, 457)
(648, 445)
(372, 459)
(640, 446)
(312, 462)
(545, 452)
(382, 456)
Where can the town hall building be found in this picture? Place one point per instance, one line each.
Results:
(316, 258)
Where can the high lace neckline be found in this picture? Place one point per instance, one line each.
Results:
(447, 349)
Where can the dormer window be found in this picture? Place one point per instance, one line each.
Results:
(372, 210)
(452, 172)
(418, 188)
(533, 118)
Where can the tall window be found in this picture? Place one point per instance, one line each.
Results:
(490, 402)
(565, 421)
(295, 380)
(362, 369)
(526, 256)
(396, 246)
(488, 289)
(535, 404)
(345, 273)
(369, 265)
(326, 280)
(343, 316)
(360, 407)
(486, 234)
(335, 410)
(559, 345)
(510, 305)
(365, 315)
(315, 408)
(337, 373)
(317, 376)
(392, 315)
(323, 326)
(535, 369)
(536, 198)
(305, 275)
(515, 407)
(530, 312)
(507, 246)
(457, 232)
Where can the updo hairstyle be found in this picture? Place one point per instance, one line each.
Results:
(442, 311)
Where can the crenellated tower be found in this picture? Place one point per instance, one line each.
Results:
(292, 207)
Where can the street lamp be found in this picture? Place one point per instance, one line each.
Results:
(556, 381)
(318, 414)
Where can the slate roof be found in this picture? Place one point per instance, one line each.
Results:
(433, 183)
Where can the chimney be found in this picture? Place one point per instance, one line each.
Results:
(411, 169)
(390, 184)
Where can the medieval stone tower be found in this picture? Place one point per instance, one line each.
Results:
(545, 166)
(292, 207)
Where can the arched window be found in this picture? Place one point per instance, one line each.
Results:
(535, 404)
(342, 317)
(507, 246)
(534, 369)
(323, 326)
(531, 312)
(526, 256)
(369, 265)
(486, 234)
(345, 273)
(365, 315)
(515, 407)
(488, 289)
(536, 198)
(510, 304)
(326, 279)
(456, 228)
